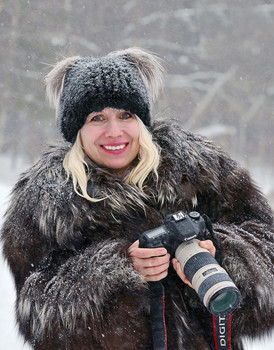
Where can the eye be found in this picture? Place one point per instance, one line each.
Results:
(126, 115)
(96, 118)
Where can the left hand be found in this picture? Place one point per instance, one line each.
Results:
(152, 263)
(177, 266)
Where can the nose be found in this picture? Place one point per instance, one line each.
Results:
(113, 129)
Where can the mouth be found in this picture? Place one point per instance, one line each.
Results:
(115, 148)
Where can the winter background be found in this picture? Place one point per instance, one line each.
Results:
(220, 82)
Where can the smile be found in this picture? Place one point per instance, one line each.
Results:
(115, 148)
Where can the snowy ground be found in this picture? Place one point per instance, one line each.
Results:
(9, 339)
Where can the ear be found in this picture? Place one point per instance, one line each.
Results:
(149, 66)
(55, 79)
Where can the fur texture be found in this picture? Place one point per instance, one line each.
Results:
(149, 67)
(76, 287)
(127, 79)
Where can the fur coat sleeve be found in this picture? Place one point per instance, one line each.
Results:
(66, 266)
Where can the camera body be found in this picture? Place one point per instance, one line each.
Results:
(180, 235)
(178, 228)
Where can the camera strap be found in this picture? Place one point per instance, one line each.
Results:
(221, 323)
(213, 237)
(157, 315)
(222, 331)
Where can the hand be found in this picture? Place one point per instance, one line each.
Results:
(152, 263)
(177, 266)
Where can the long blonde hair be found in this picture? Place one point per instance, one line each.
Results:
(75, 163)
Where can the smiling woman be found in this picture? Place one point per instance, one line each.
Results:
(111, 138)
(71, 233)
(84, 150)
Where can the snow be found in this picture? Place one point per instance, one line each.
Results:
(10, 340)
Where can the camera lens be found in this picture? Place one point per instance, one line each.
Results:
(211, 282)
(223, 302)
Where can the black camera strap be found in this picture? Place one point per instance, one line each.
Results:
(221, 323)
(222, 331)
(214, 238)
(157, 315)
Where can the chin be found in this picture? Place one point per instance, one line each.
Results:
(117, 169)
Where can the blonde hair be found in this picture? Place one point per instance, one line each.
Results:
(76, 166)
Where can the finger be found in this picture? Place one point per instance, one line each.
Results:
(209, 246)
(156, 261)
(158, 277)
(148, 252)
(156, 270)
(140, 263)
(134, 246)
(206, 244)
(177, 267)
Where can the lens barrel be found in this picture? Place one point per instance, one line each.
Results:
(211, 282)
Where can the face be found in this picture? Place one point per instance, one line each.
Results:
(111, 138)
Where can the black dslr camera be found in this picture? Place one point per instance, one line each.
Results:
(180, 235)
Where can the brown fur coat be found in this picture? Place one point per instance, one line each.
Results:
(76, 287)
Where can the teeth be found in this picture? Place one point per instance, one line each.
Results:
(113, 148)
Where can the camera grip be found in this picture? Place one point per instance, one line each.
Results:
(154, 238)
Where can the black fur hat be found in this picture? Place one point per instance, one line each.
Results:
(128, 79)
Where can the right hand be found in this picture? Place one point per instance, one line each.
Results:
(208, 244)
(152, 263)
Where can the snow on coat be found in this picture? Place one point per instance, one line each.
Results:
(76, 287)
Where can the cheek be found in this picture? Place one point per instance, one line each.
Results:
(87, 142)
(87, 136)
(135, 149)
(135, 133)
(137, 145)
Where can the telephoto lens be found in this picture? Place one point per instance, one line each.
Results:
(211, 282)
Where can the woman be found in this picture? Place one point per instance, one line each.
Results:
(71, 231)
